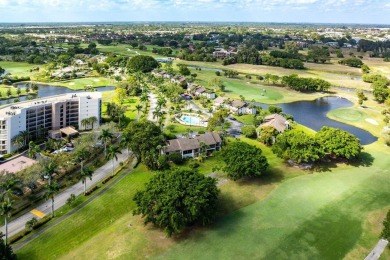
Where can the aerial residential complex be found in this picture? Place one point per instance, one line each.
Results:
(51, 113)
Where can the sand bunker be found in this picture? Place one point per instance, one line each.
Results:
(372, 121)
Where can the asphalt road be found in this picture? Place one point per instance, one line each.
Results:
(18, 224)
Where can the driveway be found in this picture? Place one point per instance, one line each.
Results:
(18, 224)
(153, 105)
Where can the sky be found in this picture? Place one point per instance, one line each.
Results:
(296, 11)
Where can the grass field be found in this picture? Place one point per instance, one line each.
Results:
(324, 215)
(4, 89)
(18, 68)
(81, 83)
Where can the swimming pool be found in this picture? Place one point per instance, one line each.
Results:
(193, 120)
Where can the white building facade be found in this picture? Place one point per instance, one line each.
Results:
(44, 114)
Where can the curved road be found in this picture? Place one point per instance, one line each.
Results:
(18, 224)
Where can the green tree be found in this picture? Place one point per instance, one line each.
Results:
(112, 154)
(6, 252)
(297, 146)
(386, 227)
(9, 93)
(49, 170)
(249, 131)
(18, 91)
(183, 70)
(106, 136)
(338, 143)
(33, 149)
(125, 141)
(267, 135)
(146, 137)
(190, 199)
(92, 120)
(84, 123)
(85, 173)
(138, 108)
(361, 96)
(142, 63)
(52, 189)
(243, 160)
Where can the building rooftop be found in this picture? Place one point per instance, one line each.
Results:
(17, 164)
(10, 110)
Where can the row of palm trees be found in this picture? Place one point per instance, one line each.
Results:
(12, 184)
(90, 121)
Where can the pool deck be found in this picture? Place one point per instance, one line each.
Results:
(200, 120)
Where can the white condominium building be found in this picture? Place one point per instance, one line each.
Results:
(44, 114)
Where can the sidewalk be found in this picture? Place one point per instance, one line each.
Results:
(18, 224)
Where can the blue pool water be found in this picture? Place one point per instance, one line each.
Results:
(191, 120)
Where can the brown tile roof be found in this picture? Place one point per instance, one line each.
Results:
(184, 144)
(276, 121)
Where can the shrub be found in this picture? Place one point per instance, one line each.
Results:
(175, 157)
(249, 131)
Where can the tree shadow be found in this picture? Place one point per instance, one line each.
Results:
(365, 160)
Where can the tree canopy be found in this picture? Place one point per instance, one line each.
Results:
(338, 143)
(243, 160)
(142, 63)
(146, 139)
(305, 84)
(190, 199)
(297, 146)
(6, 251)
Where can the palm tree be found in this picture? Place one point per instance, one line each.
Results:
(106, 136)
(138, 108)
(7, 188)
(26, 136)
(112, 153)
(93, 120)
(81, 155)
(161, 101)
(5, 210)
(84, 174)
(52, 189)
(125, 141)
(33, 149)
(157, 114)
(49, 170)
(210, 110)
(18, 141)
(144, 98)
(85, 122)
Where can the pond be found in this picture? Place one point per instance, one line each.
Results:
(313, 114)
(47, 90)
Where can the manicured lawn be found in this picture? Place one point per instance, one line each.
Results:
(99, 218)
(324, 215)
(83, 82)
(4, 89)
(316, 216)
(179, 128)
(18, 68)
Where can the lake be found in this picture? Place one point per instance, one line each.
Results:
(313, 114)
(47, 90)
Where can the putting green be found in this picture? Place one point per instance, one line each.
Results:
(348, 114)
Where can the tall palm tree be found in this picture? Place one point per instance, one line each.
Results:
(49, 170)
(33, 149)
(26, 136)
(112, 153)
(106, 136)
(7, 188)
(85, 173)
(144, 98)
(85, 122)
(18, 141)
(138, 108)
(81, 155)
(125, 141)
(5, 210)
(52, 189)
(161, 101)
(92, 120)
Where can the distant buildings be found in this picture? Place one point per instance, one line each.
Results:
(237, 107)
(222, 53)
(51, 113)
(191, 147)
